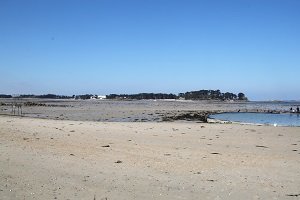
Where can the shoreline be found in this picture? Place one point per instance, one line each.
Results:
(215, 120)
(185, 116)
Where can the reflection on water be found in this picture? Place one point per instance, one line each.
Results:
(260, 118)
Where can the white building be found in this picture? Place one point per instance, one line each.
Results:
(101, 97)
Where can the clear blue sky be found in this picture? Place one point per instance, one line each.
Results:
(130, 46)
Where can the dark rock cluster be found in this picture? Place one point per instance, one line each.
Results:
(187, 116)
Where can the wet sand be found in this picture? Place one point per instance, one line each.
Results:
(128, 111)
(64, 159)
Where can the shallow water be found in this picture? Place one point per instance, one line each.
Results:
(288, 119)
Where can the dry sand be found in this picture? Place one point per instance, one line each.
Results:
(59, 159)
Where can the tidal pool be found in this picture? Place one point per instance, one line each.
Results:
(286, 119)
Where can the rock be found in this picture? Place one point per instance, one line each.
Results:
(259, 146)
(186, 115)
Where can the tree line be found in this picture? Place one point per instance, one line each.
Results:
(193, 95)
(48, 96)
(44, 96)
(5, 96)
(212, 95)
(142, 96)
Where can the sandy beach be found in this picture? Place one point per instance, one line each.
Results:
(64, 159)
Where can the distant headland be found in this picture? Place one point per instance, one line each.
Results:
(192, 95)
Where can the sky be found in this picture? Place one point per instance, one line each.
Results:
(131, 46)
